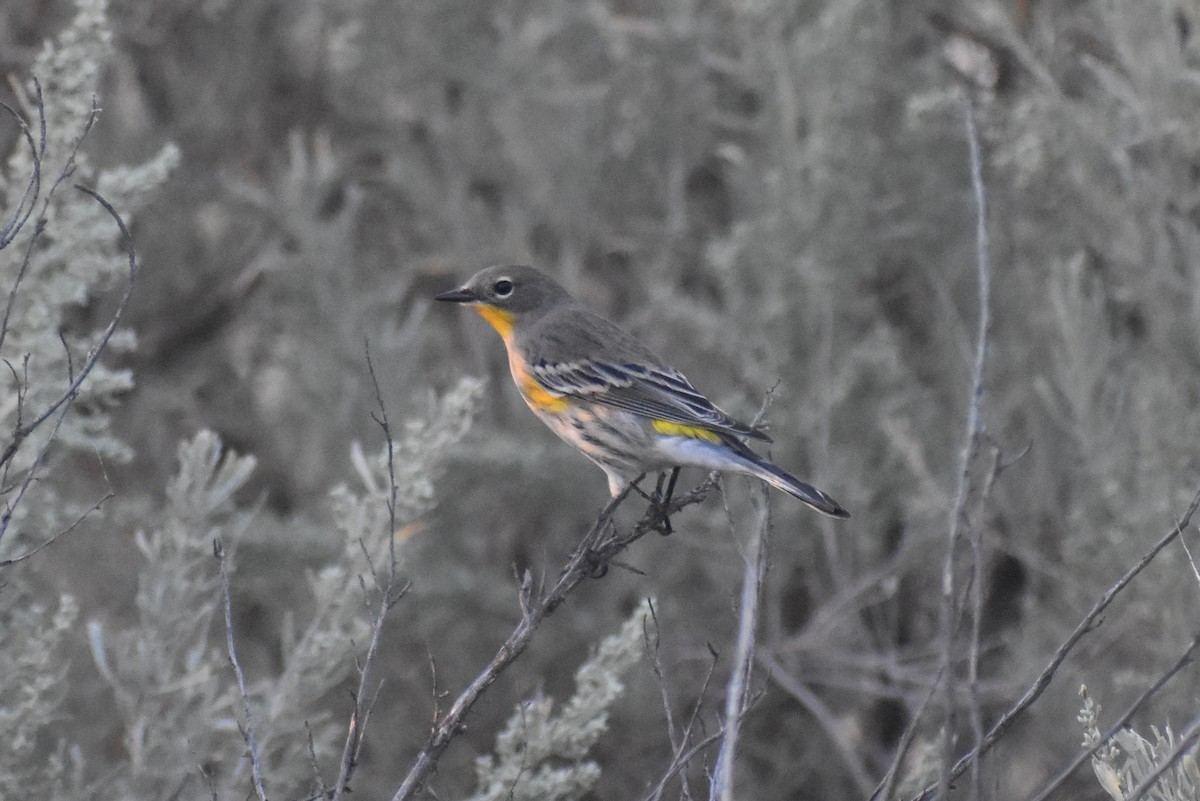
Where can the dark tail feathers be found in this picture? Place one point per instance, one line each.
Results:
(781, 479)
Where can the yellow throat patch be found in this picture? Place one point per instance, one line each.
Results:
(498, 318)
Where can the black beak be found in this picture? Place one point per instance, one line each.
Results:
(462, 295)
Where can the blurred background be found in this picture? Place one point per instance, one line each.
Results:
(771, 194)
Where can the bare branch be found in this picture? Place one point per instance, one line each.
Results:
(824, 717)
(1087, 624)
(322, 789)
(680, 762)
(652, 646)
(67, 171)
(37, 153)
(971, 438)
(738, 689)
(888, 785)
(357, 727)
(590, 558)
(38, 549)
(64, 402)
(248, 729)
(1185, 659)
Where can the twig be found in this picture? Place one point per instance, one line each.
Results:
(67, 398)
(389, 597)
(681, 758)
(393, 490)
(824, 716)
(248, 730)
(652, 647)
(888, 785)
(601, 543)
(1120, 723)
(322, 790)
(738, 688)
(1191, 560)
(974, 429)
(31, 472)
(37, 153)
(680, 762)
(1087, 624)
(976, 593)
(40, 227)
(94, 507)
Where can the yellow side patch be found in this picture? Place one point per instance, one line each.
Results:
(499, 319)
(538, 397)
(542, 400)
(680, 430)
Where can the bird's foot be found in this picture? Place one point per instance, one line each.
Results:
(661, 501)
(595, 565)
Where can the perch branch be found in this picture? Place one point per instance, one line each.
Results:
(602, 543)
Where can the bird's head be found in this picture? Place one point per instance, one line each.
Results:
(505, 294)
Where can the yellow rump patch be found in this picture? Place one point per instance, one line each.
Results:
(680, 430)
(499, 319)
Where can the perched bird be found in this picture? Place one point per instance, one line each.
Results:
(604, 392)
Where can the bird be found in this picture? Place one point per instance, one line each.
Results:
(600, 389)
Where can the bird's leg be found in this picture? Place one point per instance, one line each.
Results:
(643, 493)
(671, 486)
(656, 506)
(662, 500)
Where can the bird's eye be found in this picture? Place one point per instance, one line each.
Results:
(503, 288)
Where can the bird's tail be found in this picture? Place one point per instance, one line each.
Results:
(756, 466)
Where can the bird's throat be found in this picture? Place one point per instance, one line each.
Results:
(499, 319)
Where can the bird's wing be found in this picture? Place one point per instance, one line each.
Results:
(655, 391)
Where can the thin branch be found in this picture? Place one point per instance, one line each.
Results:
(976, 594)
(68, 395)
(1185, 659)
(1191, 560)
(10, 507)
(356, 729)
(93, 508)
(738, 689)
(681, 757)
(680, 762)
(652, 648)
(824, 717)
(64, 402)
(393, 490)
(322, 789)
(1089, 622)
(888, 785)
(971, 438)
(37, 153)
(248, 730)
(40, 227)
(590, 558)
